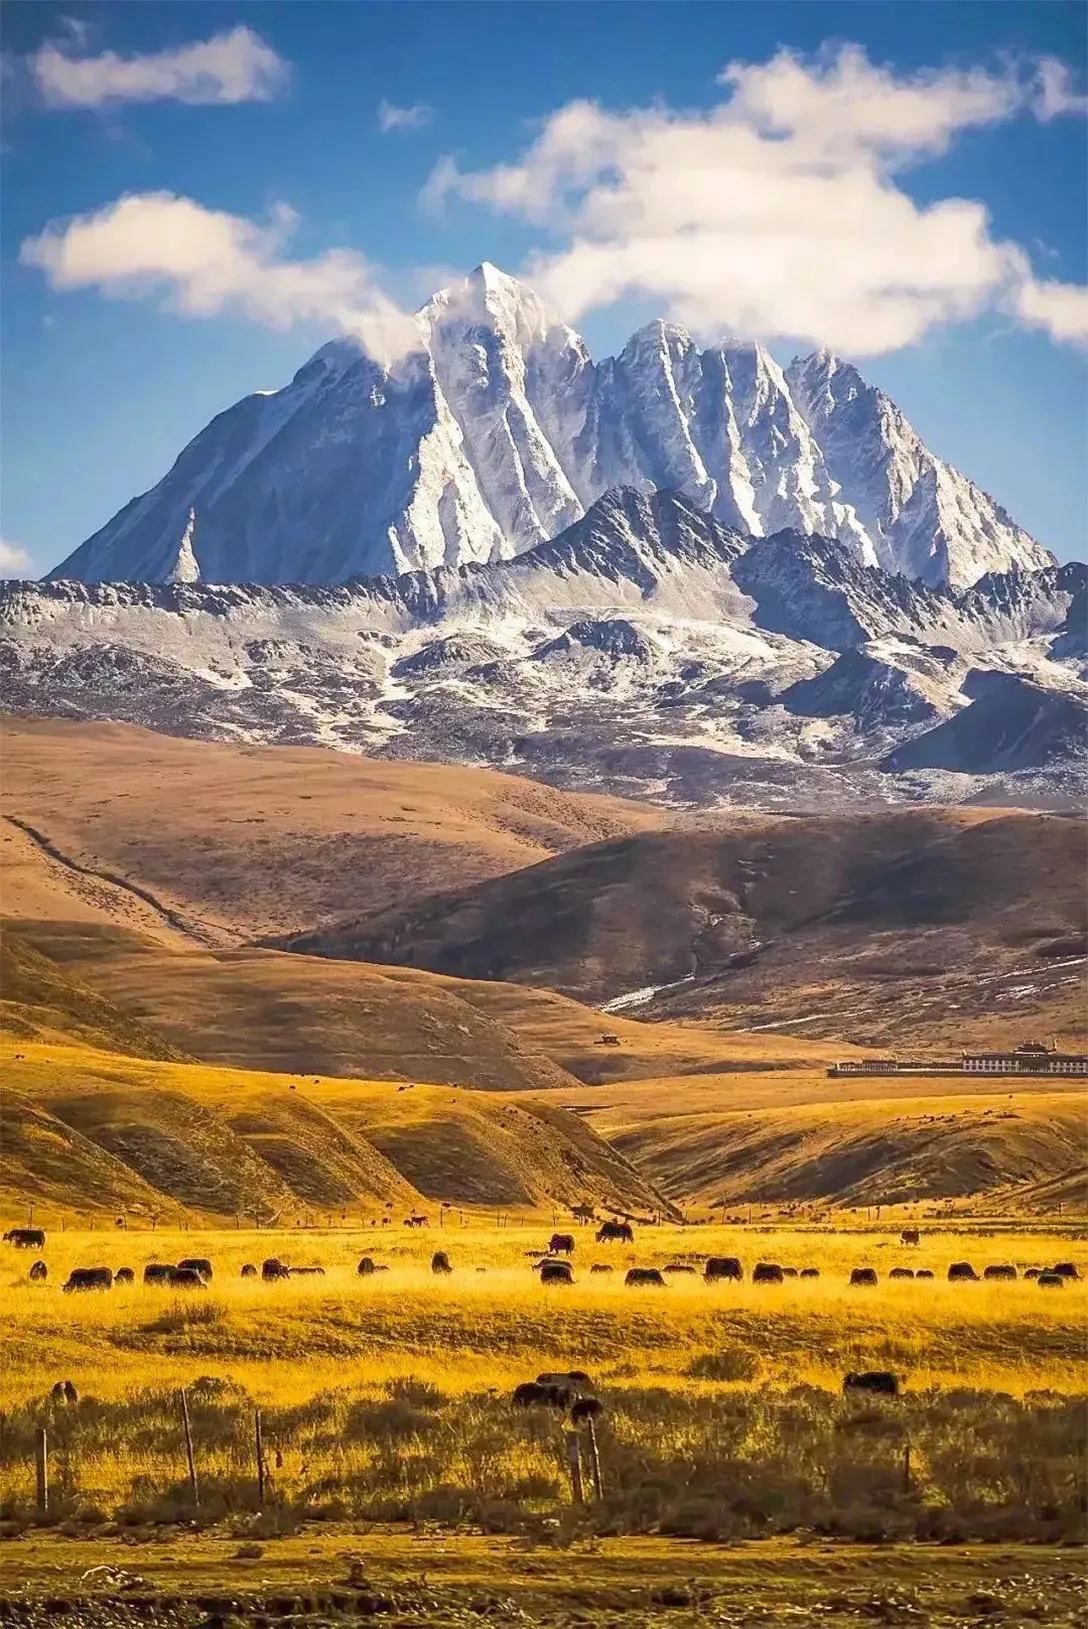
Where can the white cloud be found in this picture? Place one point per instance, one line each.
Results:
(778, 213)
(1060, 308)
(391, 117)
(13, 560)
(1055, 91)
(235, 67)
(206, 261)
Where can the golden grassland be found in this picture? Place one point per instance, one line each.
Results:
(288, 1341)
(386, 1399)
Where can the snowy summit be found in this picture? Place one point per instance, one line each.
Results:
(499, 431)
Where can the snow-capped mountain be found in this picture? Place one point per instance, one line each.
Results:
(648, 649)
(499, 431)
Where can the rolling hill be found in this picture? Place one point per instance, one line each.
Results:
(221, 842)
(177, 1139)
(774, 1139)
(842, 924)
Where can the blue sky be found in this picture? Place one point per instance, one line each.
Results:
(100, 392)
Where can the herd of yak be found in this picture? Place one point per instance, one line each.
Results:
(552, 1265)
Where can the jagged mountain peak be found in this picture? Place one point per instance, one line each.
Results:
(501, 431)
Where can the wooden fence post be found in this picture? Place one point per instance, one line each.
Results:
(594, 1461)
(260, 1458)
(41, 1467)
(906, 1466)
(193, 1486)
(574, 1462)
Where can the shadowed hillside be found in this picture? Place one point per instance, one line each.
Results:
(773, 922)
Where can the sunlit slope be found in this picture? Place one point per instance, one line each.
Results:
(733, 1142)
(40, 1000)
(242, 840)
(44, 1161)
(229, 1142)
(268, 1010)
(572, 1034)
(265, 1010)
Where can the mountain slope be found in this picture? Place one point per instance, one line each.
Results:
(499, 431)
(648, 649)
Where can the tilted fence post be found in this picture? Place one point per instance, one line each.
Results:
(190, 1461)
(594, 1462)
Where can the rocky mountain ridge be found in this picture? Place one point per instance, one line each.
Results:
(647, 650)
(499, 432)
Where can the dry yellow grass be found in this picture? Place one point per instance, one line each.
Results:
(224, 1142)
(288, 1341)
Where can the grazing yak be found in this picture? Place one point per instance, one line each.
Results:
(564, 1377)
(39, 1272)
(810, 1272)
(199, 1264)
(679, 1267)
(365, 1267)
(718, 1267)
(789, 1272)
(25, 1238)
(901, 1272)
(88, 1278)
(531, 1394)
(601, 1267)
(1051, 1281)
(1065, 1269)
(561, 1244)
(64, 1392)
(873, 1380)
(158, 1272)
(910, 1235)
(440, 1262)
(556, 1272)
(615, 1233)
(187, 1278)
(586, 1408)
(767, 1272)
(961, 1272)
(640, 1277)
(999, 1270)
(249, 1271)
(924, 1272)
(862, 1277)
(274, 1268)
(124, 1275)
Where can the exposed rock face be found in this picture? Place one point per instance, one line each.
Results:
(499, 432)
(648, 648)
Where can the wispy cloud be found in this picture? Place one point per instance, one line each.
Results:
(14, 560)
(779, 212)
(391, 117)
(205, 261)
(238, 66)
